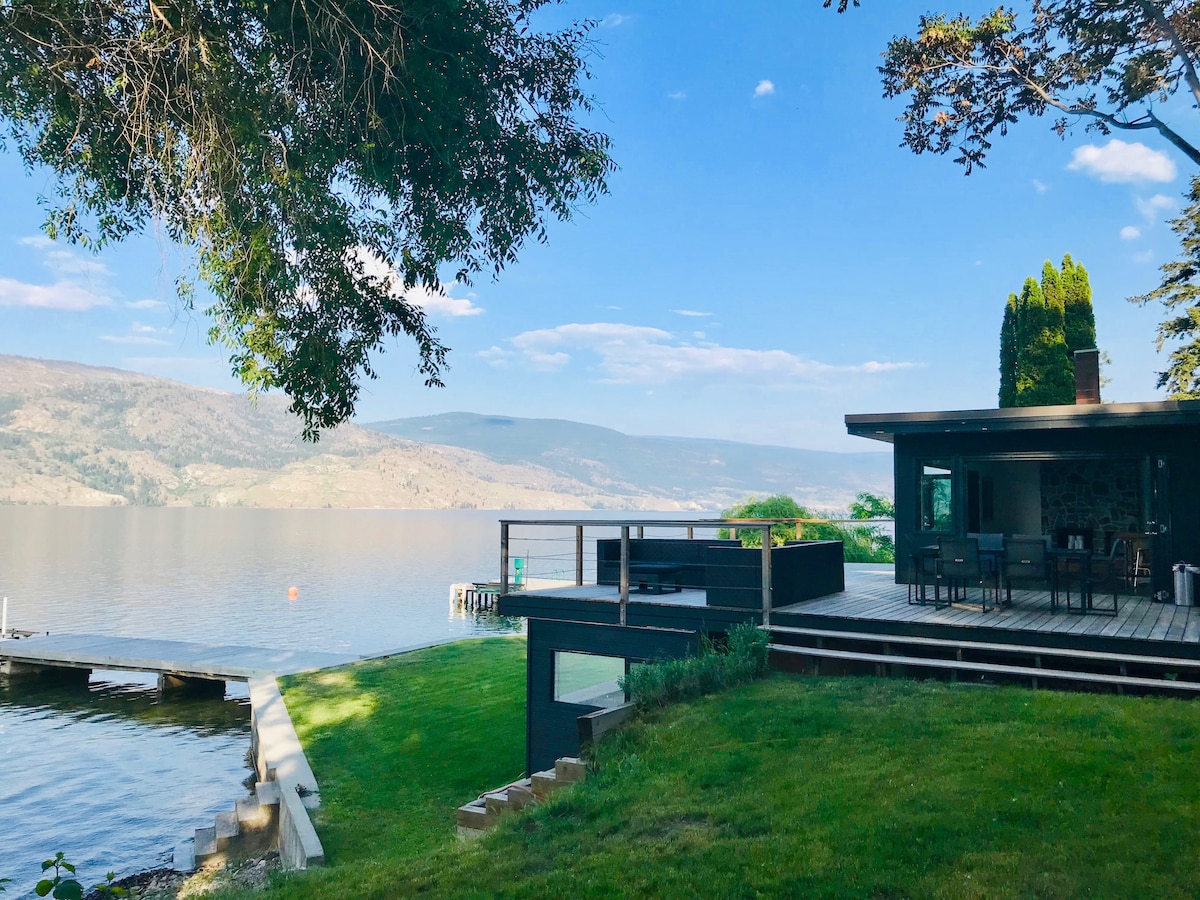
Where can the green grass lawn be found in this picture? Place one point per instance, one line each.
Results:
(808, 787)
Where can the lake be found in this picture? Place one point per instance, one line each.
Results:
(115, 778)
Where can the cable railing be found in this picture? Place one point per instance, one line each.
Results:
(655, 554)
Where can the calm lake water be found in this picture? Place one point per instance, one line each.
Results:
(111, 776)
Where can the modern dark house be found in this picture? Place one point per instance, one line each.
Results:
(1085, 479)
(1095, 471)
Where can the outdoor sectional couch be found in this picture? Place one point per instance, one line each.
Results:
(730, 574)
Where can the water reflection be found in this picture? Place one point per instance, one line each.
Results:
(111, 774)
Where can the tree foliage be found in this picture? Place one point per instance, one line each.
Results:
(1008, 354)
(1180, 295)
(1105, 62)
(1037, 359)
(860, 543)
(321, 158)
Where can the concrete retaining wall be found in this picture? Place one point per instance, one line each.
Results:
(279, 757)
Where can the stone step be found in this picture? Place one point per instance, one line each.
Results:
(183, 859)
(205, 844)
(226, 828)
(544, 783)
(569, 770)
(267, 793)
(254, 816)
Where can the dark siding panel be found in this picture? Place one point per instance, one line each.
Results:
(552, 727)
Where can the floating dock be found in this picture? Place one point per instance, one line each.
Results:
(173, 661)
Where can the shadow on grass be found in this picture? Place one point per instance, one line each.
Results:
(397, 745)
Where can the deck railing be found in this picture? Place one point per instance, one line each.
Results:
(537, 563)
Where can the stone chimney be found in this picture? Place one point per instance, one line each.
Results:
(1087, 377)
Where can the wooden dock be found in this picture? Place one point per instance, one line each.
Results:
(178, 659)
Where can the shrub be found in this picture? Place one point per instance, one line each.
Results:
(742, 658)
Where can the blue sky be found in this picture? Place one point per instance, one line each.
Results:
(768, 260)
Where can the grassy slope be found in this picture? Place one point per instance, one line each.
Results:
(396, 746)
(789, 787)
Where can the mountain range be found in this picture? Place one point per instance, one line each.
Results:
(80, 435)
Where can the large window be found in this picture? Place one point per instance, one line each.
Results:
(588, 679)
(937, 496)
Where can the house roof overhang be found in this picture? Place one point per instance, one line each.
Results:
(1163, 413)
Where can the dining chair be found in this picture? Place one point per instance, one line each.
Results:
(1025, 559)
(959, 562)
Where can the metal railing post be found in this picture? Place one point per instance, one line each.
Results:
(624, 571)
(691, 532)
(503, 558)
(641, 532)
(578, 554)
(766, 576)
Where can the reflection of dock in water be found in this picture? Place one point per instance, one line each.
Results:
(177, 663)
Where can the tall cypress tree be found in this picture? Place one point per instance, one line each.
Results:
(1080, 319)
(1043, 377)
(1055, 314)
(1008, 354)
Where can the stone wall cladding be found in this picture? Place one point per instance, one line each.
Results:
(1099, 494)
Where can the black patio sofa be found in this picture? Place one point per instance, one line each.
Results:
(730, 574)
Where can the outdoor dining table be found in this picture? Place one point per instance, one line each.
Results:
(1076, 565)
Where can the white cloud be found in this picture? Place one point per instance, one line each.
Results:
(1130, 233)
(62, 260)
(614, 20)
(764, 88)
(66, 295)
(677, 95)
(440, 303)
(146, 304)
(436, 302)
(496, 356)
(691, 312)
(1154, 207)
(1118, 161)
(1144, 257)
(627, 354)
(137, 339)
(1040, 186)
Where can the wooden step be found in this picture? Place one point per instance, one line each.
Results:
(1160, 684)
(1168, 662)
(475, 815)
(544, 784)
(569, 769)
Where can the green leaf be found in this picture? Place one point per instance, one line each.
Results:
(69, 890)
(44, 887)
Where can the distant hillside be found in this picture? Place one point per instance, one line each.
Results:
(85, 436)
(713, 473)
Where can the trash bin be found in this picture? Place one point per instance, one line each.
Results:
(1185, 584)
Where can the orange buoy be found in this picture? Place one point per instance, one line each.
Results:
(293, 593)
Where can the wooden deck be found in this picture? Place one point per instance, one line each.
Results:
(872, 595)
(211, 661)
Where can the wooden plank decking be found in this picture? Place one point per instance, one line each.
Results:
(872, 594)
(214, 661)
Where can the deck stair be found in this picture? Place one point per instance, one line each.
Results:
(485, 812)
(966, 658)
